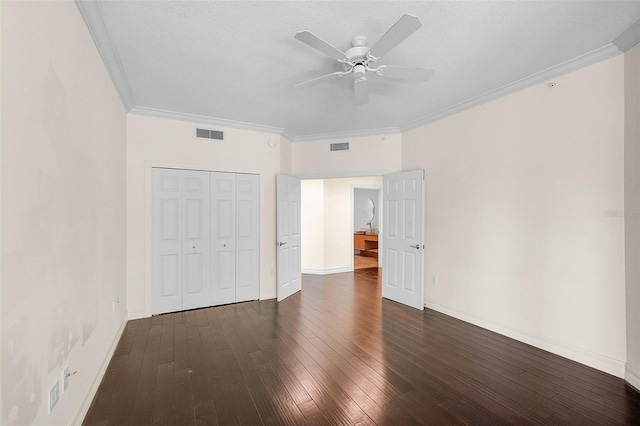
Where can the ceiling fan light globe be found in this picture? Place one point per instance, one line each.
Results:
(359, 71)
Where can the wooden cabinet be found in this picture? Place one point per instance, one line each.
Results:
(365, 242)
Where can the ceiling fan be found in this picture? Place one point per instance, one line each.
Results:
(360, 59)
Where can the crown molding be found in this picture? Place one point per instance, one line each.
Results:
(288, 136)
(629, 38)
(91, 12)
(605, 52)
(343, 135)
(194, 118)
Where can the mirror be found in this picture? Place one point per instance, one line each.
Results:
(368, 210)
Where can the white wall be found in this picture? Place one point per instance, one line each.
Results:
(160, 142)
(367, 156)
(312, 225)
(332, 197)
(515, 227)
(632, 209)
(63, 212)
(285, 156)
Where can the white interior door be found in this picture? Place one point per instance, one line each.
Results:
(223, 238)
(403, 240)
(196, 291)
(247, 237)
(288, 254)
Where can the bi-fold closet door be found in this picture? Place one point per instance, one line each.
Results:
(235, 252)
(205, 248)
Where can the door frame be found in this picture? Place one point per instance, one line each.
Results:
(351, 175)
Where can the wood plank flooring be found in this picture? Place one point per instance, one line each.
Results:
(362, 262)
(336, 353)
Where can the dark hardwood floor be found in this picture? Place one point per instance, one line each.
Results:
(336, 353)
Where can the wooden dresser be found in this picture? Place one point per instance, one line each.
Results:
(364, 242)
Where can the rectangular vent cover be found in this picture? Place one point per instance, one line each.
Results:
(209, 134)
(341, 146)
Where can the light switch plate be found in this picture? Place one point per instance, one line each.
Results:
(65, 379)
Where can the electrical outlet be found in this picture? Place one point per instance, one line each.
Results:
(434, 279)
(54, 395)
(65, 379)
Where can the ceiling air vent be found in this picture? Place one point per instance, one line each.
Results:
(209, 134)
(341, 146)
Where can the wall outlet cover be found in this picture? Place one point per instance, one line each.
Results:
(54, 395)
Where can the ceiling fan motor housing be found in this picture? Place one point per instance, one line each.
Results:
(357, 55)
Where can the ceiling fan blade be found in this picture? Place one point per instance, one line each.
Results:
(361, 91)
(316, 42)
(317, 80)
(405, 73)
(402, 29)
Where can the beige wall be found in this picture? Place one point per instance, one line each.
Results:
(632, 207)
(327, 223)
(63, 212)
(159, 142)
(312, 225)
(516, 231)
(367, 156)
(285, 156)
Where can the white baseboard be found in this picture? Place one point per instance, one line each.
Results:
(592, 359)
(137, 315)
(86, 402)
(327, 271)
(632, 376)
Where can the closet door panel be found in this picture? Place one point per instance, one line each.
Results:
(223, 244)
(166, 250)
(247, 237)
(195, 263)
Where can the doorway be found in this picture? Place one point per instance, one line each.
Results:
(402, 236)
(366, 215)
(328, 222)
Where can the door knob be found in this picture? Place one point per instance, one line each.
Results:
(279, 244)
(417, 246)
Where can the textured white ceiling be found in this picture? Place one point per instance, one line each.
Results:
(238, 60)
